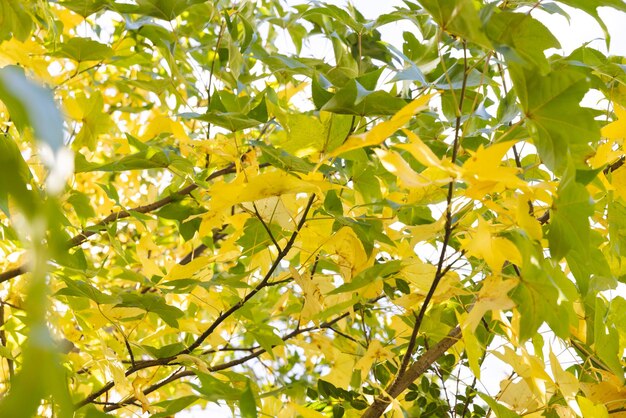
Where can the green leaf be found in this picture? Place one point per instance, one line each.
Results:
(458, 17)
(332, 203)
(153, 303)
(232, 121)
(161, 9)
(544, 294)
(282, 159)
(172, 406)
(31, 105)
(247, 403)
(520, 38)
(415, 215)
(83, 49)
(215, 390)
(354, 99)
(94, 120)
(500, 410)
(82, 289)
(143, 160)
(558, 125)
(569, 224)
(91, 411)
(179, 211)
(266, 336)
(14, 177)
(81, 204)
(165, 351)
(15, 20)
(336, 13)
(255, 238)
(368, 276)
(606, 340)
(85, 8)
(5, 352)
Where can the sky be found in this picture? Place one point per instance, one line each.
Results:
(580, 29)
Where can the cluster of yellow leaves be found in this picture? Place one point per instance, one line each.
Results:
(379, 133)
(485, 244)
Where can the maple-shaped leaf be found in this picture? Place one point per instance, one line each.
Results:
(617, 128)
(558, 125)
(384, 130)
(484, 244)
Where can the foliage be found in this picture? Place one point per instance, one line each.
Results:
(191, 215)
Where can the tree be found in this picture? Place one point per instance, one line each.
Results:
(193, 215)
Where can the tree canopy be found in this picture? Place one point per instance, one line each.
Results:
(270, 208)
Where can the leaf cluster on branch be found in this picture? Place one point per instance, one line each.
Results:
(270, 208)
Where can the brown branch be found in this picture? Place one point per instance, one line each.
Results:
(447, 234)
(94, 229)
(257, 288)
(417, 369)
(266, 227)
(193, 254)
(180, 374)
(140, 365)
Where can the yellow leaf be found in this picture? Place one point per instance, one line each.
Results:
(271, 183)
(190, 269)
(348, 252)
(484, 173)
(122, 383)
(419, 150)
(616, 129)
(528, 223)
(313, 297)
(618, 181)
(609, 392)
(161, 123)
(30, 54)
(473, 349)
(419, 233)
(112, 312)
(605, 154)
(494, 250)
(197, 361)
(138, 385)
(395, 164)
(341, 372)
(568, 383)
(529, 367)
(384, 130)
(306, 412)
(375, 353)
(422, 153)
(273, 209)
(591, 410)
(518, 396)
(493, 296)
(290, 90)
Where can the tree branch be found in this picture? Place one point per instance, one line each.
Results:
(447, 233)
(94, 229)
(417, 369)
(179, 374)
(140, 365)
(257, 288)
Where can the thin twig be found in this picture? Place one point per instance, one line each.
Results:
(122, 214)
(447, 234)
(140, 365)
(183, 373)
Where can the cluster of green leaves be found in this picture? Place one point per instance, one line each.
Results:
(343, 234)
